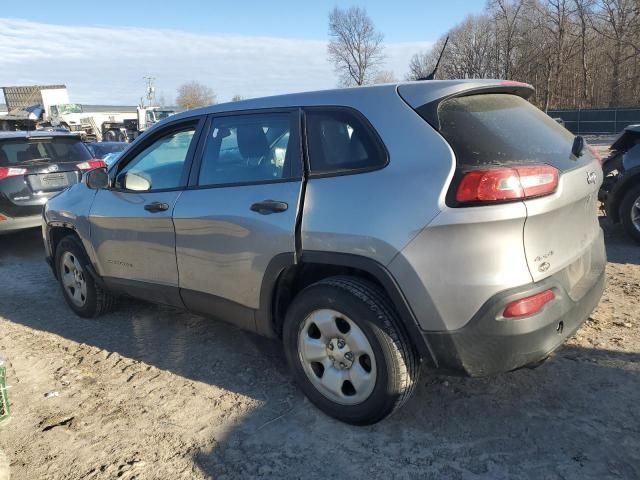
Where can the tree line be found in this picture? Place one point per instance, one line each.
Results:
(576, 53)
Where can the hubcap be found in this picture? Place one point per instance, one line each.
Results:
(337, 357)
(635, 214)
(72, 274)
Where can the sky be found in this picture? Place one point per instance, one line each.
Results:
(248, 48)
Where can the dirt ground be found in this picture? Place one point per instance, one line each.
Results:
(149, 392)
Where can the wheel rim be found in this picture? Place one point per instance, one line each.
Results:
(635, 214)
(337, 357)
(73, 280)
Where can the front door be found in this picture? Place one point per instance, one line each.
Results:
(131, 226)
(239, 213)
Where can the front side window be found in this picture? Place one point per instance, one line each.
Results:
(250, 148)
(160, 165)
(339, 141)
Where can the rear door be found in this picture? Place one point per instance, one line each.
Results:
(239, 212)
(501, 130)
(131, 226)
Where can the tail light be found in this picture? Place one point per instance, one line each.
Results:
(91, 165)
(505, 184)
(6, 172)
(529, 305)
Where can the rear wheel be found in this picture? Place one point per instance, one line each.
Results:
(347, 352)
(80, 290)
(630, 213)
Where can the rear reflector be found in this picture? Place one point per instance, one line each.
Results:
(504, 184)
(529, 305)
(2, 218)
(6, 172)
(91, 165)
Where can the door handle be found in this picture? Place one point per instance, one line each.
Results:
(156, 207)
(267, 207)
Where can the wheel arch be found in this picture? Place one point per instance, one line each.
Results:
(630, 179)
(284, 278)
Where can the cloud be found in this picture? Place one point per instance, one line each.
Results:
(102, 64)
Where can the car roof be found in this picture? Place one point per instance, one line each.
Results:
(36, 134)
(427, 90)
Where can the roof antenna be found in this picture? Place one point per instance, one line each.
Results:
(432, 75)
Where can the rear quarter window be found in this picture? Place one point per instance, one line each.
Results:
(500, 129)
(340, 142)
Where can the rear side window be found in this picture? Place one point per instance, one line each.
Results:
(500, 129)
(339, 141)
(15, 152)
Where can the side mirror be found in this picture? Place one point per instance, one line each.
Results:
(96, 179)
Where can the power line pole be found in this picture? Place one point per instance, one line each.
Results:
(150, 91)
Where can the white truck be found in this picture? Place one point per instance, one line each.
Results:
(48, 106)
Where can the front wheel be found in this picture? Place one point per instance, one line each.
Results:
(347, 352)
(630, 213)
(80, 290)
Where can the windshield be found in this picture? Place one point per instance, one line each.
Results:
(15, 152)
(501, 129)
(160, 114)
(69, 108)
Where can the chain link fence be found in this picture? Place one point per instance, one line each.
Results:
(597, 121)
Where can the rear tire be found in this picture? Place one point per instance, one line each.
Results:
(380, 369)
(630, 213)
(82, 294)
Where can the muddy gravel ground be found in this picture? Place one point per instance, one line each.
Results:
(149, 392)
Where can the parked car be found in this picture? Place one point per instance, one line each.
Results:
(371, 230)
(620, 191)
(33, 167)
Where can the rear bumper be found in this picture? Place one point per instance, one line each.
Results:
(12, 224)
(490, 344)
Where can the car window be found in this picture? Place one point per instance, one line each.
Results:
(14, 152)
(160, 165)
(250, 148)
(501, 129)
(338, 140)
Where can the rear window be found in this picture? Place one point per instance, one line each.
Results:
(15, 152)
(339, 141)
(500, 129)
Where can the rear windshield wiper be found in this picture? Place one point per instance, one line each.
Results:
(38, 160)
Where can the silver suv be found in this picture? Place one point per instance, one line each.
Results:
(372, 230)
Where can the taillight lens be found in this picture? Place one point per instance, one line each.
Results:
(6, 172)
(529, 305)
(91, 165)
(504, 184)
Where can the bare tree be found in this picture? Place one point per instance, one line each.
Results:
(576, 53)
(355, 47)
(237, 98)
(386, 76)
(193, 95)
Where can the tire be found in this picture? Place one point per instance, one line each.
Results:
(93, 300)
(110, 136)
(630, 213)
(394, 367)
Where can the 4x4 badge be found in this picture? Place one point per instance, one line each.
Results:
(592, 178)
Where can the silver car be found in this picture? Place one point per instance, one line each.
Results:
(372, 231)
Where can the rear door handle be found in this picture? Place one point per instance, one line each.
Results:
(267, 207)
(156, 207)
